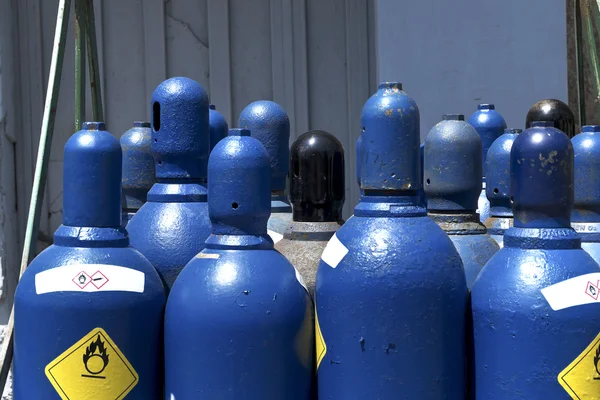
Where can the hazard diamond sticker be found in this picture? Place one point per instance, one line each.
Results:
(92, 369)
(581, 378)
(321, 346)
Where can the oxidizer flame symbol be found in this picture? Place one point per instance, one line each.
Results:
(597, 359)
(95, 358)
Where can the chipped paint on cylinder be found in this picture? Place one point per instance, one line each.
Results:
(238, 321)
(555, 111)
(218, 126)
(269, 123)
(585, 218)
(171, 227)
(317, 193)
(83, 283)
(452, 172)
(138, 168)
(498, 185)
(390, 291)
(528, 326)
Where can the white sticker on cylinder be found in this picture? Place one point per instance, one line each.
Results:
(583, 289)
(334, 252)
(276, 237)
(90, 278)
(300, 279)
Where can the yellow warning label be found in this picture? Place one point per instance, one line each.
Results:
(92, 369)
(321, 346)
(581, 379)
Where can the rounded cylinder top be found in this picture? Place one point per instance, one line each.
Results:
(586, 147)
(92, 178)
(218, 126)
(390, 141)
(239, 193)
(138, 164)
(317, 186)
(269, 123)
(490, 125)
(359, 153)
(452, 166)
(497, 188)
(453, 117)
(180, 129)
(541, 178)
(555, 111)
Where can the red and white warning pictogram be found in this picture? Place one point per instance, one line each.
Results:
(82, 279)
(593, 290)
(99, 279)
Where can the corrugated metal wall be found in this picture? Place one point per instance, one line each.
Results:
(315, 58)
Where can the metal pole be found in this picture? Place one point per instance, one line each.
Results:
(80, 34)
(93, 61)
(41, 170)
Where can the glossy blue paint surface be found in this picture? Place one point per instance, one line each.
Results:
(218, 126)
(452, 173)
(171, 227)
(585, 217)
(269, 123)
(238, 323)
(498, 185)
(514, 326)
(490, 125)
(138, 168)
(392, 312)
(48, 324)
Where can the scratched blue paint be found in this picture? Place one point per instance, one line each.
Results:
(521, 343)
(47, 324)
(392, 312)
(173, 224)
(238, 323)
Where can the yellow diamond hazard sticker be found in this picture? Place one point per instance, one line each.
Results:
(321, 346)
(581, 378)
(92, 369)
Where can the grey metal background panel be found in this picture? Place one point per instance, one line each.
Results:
(315, 58)
(452, 55)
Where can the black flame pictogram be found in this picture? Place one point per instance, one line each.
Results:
(96, 349)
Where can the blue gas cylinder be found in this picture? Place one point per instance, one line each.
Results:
(535, 327)
(171, 227)
(498, 189)
(239, 324)
(490, 125)
(452, 175)
(390, 291)
(358, 158)
(138, 168)
(317, 193)
(585, 218)
(218, 126)
(89, 309)
(269, 123)
(422, 166)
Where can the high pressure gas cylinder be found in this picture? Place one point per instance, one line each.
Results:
(391, 293)
(490, 125)
(239, 323)
(498, 189)
(171, 227)
(422, 169)
(536, 326)
(218, 126)
(585, 218)
(269, 123)
(358, 158)
(555, 111)
(138, 168)
(89, 308)
(452, 172)
(317, 191)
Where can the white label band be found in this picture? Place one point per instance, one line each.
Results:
(582, 227)
(276, 237)
(300, 279)
(583, 289)
(90, 278)
(334, 252)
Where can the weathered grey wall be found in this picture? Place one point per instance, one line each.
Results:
(452, 55)
(315, 58)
